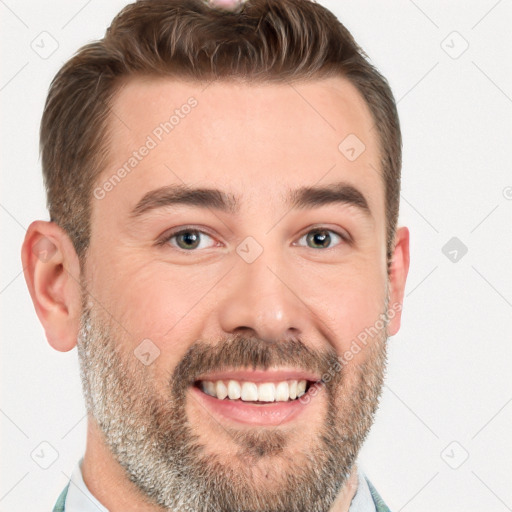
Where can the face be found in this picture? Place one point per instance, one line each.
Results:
(222, 345)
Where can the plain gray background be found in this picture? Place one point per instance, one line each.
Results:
(442, 437)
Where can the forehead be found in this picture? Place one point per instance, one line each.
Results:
(247, 139)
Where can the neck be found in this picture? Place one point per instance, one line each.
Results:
(106, 479)
(342, 503)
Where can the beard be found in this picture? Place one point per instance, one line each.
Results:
(149, 433)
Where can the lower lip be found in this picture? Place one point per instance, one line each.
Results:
(275, 413)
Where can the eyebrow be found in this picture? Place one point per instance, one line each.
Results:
(301, 198)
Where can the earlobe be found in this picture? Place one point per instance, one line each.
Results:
(397, 278)
(52, 273)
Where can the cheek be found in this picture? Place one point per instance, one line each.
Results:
(352, 309)
(159, 301)
(148, 302)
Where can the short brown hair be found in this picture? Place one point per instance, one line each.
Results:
(263, 40)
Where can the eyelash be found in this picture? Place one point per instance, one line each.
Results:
(169, 236)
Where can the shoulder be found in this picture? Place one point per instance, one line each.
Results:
(61, 500)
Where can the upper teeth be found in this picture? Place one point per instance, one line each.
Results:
(252, 392)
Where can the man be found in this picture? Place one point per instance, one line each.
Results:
(223, 186)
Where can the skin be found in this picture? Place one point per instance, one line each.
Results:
(255, 142)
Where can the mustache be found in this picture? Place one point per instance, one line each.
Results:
(250, 353)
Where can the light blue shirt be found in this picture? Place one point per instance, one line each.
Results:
(80, 499)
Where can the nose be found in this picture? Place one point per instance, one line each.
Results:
(260, 299)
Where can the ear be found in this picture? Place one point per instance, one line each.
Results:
(398, 275)
(52, 272)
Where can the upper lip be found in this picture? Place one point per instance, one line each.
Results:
(275, 375)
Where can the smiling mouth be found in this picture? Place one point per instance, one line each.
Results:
(255, 392)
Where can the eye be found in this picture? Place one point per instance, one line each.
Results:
(187, 239)
(319, 238)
